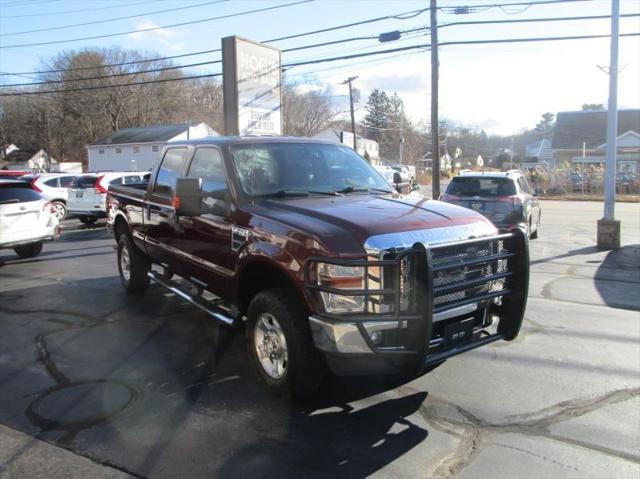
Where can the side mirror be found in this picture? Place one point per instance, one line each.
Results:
(397, 178)
(188, 199)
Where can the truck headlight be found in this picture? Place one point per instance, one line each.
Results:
(343, 278)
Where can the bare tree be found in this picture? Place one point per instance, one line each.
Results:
(306, 113)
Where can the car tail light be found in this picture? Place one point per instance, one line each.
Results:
(514, 200)
(33, 185)
(98, 185)
(446, 197)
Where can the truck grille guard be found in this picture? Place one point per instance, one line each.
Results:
(440, 300)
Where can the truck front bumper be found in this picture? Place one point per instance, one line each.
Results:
(464, 295)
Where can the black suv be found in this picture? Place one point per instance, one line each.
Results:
(503, 197)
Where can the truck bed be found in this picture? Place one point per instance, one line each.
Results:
(135, 191)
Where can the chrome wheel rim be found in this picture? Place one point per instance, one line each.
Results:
(271, 346)
(125, 264)
(59, 210)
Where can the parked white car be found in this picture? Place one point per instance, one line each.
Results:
(88, 193)
(53, 187)
(26, 219)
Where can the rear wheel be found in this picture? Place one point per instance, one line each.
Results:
(133, 266)
(280, 344)
(29, 250)
(59, 210)
(88, 220)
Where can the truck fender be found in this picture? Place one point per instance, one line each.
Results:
(274, 267)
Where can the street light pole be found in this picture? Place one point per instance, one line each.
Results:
(608, 227)
(435, 140)
(353, 118)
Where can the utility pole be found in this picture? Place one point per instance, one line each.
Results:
(401, 132)
(608, 227)
(353, 118)
(511, 154)
(435, 140)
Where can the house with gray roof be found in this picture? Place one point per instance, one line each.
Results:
(580, 138)
(138, 149)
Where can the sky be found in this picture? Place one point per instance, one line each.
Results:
(501, 88)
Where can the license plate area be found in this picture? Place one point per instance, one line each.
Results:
(458, 332)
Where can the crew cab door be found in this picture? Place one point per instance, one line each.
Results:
(205, 241)
(159, 213)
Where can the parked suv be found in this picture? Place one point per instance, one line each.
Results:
(88, 194)
(53, 187)
(26, 219)
(304, 243)
(503, 197)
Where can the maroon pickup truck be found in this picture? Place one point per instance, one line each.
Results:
(322, 260)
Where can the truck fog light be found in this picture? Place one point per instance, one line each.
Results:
(376, 337)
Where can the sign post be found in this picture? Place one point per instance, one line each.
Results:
(252, 85)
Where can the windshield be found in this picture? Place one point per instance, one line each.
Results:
(475, 186)
(272, 168)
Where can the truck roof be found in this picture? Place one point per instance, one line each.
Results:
(233, 140)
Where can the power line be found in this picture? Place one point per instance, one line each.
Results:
(539, 39)
(533, 20)
(182, 24)
(330, 59)
(106, 20)
(64, 12)
(208, 75)
(179, 67)
(398, 16)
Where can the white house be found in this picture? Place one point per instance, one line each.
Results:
(138, 149)
(364, 145)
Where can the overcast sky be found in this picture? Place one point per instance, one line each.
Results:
(500, 88)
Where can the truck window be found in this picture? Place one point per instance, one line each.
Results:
(207, 165)
(168, 172)
(265, 169)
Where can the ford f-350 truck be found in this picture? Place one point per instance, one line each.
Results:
(324, 263)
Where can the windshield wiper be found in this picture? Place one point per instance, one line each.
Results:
(353, 189)
(285, 193)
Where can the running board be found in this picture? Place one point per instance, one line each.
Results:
(208, 307)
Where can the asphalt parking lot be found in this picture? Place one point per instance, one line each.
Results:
(95, 383)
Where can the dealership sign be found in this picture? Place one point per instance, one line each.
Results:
(252, 83)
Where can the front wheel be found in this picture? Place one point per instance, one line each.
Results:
(280, 344)
(29, 250)
(133, 266)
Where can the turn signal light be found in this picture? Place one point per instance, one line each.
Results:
(175, 202)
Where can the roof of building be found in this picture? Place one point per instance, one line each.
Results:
(575, 127)
(147, 134)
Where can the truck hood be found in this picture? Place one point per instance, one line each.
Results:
(344, 224)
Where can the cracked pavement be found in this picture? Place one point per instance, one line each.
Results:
(95, 383)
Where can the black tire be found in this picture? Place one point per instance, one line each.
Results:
(139, 265)
(61, 210)
(29, 250)
(534, 234)
(304, 365)
(88, 220)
